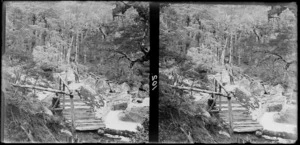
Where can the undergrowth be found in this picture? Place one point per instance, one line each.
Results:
(26, 122)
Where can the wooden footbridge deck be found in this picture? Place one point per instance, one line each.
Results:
(241, 119)
(229, 109)
(76, 111)
(84, 115)
(73, 107)
(232, 112)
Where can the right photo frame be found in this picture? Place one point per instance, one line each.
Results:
(228, 73)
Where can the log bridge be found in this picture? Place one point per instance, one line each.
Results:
(73, 108)
(229, 109)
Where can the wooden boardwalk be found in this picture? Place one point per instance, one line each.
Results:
(241, 119)
(84, 115)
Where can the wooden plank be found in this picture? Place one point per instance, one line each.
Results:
(69, 117)
(246, 122)
(247, 125)
(247, 129)
(78, 107)
(198, 90)
(236, 113)
(89, 121)
(232, 104)
(40, 88)
(88, 124)
(237, 119)
(89, 128)
(76, 104)
(80, 115)
(235, 109)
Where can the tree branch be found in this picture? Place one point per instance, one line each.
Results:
(287, 64)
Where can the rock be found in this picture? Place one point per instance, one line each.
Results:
(267, 88)
(119, 106)
(67, 132)
(142, 94)
(258, 133)
(87, 92)
(101, 132)
(257, 89)
(146, 87)
(125, 87)
(274, 107)
(225, 78)
(135, 114)
(47, 111)
(69, 76)
(224, 133)
(245, 83)
(287, 115)
(201, 98)
(277, 90)
(46, 97)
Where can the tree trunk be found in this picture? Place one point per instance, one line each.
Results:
(84, 55)
(125, 133)
(40, 88)
(223, 52)
(76, 46)
(69, 51)
(280, 134)
(230, 48)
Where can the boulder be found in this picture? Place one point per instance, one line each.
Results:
(87, 91)
(146, 87)
(47, 111)
(257, 89)
(135, 114)
(142, 94)
(119, 106)
(287, 115)
(277, 90)
(267, 88)
(125, 87)
(225, 78)
(245, 83)
(274, 107)
(201, 98)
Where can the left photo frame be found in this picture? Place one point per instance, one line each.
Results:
(75, 72)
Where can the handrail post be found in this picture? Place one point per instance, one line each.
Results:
(64, 88)
(213, 95)
(72, 114)
(230, 114)
(219, 97)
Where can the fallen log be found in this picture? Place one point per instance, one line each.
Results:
(40, 88)
(124, 133)
(284, 135)
(188, 135)
(63, 81)
(228, 94)
(199, 90)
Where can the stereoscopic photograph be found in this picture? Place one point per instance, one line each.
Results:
(75, 72)
(228, 73)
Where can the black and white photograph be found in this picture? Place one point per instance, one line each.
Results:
(75, 72)
(228, 73)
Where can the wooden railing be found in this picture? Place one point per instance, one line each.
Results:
(63, 85)
(218, 88)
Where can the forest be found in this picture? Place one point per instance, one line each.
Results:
(98, 49)
(244, 55)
